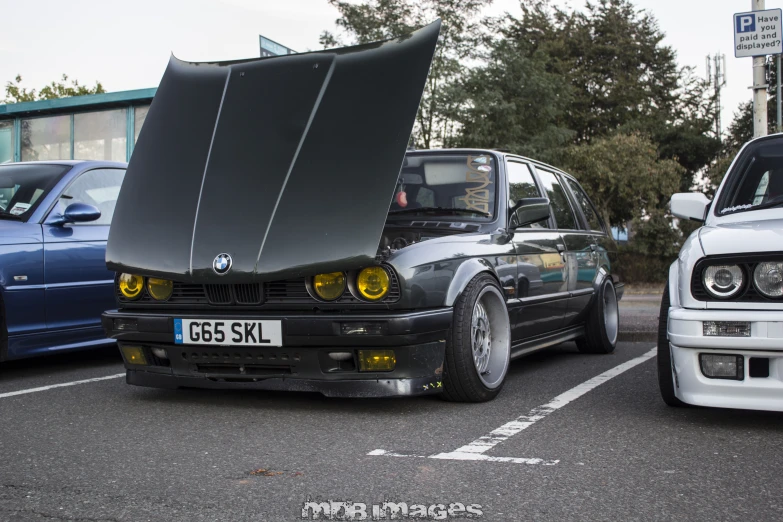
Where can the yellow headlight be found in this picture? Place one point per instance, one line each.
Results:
(131, 285)
(159, 289)
(373, 283)
(329, 286)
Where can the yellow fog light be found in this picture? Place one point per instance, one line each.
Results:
(373, 283)
(131, 285)
(159, 289)
(329, 286)
(377, 360)
(133, 354)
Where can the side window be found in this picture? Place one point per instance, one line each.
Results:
(587, 207)
(99, 188)
(561, 208)
(521, 185)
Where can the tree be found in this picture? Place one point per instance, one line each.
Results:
(514, 103)
(619, 76)
(381, 19)
(625, 177)
(16, 93)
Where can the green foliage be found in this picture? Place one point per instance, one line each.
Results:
(515, 103)
(16, 93)
(381, 19)
(625, 176)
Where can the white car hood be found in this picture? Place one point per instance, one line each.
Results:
(742, 237)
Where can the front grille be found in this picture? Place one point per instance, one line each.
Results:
(219, 294)
(255, 295)
(247, 294)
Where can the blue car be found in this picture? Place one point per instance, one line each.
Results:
(54, 285)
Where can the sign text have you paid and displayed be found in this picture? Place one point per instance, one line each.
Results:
(757, 33)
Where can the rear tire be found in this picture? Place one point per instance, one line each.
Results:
(665, 368)
(478, 348)
(603, 322)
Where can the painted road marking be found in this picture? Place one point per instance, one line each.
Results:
(63, 385)
(476, 449)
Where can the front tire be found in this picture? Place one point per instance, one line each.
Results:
(478, 350)
(665, 367)
(603, 323)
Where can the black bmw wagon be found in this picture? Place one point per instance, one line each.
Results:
(273, 232)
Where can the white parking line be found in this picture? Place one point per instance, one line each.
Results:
(63, 385)
(476, 449)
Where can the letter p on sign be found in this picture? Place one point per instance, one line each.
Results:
(746, 23)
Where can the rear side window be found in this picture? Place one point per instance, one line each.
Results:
(561, 208)
(587, 207)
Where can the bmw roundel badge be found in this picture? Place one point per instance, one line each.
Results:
(222, 264)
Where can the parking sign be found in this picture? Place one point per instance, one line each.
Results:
(757, 33)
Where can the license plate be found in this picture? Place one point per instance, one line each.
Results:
(223, 332)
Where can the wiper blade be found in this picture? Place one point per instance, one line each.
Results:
(442, 210)
(6, 215)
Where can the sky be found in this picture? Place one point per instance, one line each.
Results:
(126, 45)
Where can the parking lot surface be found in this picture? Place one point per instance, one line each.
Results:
(583, 437)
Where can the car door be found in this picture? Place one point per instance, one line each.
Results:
(575, 244)
(600, 241)
(79, 287)
(541, 278)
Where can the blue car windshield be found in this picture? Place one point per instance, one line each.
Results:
(23, 187)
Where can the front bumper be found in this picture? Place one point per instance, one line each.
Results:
(301, 364)
(685, 331)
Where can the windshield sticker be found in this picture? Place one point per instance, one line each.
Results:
(478, 196)
(734, 209)
(19, 208)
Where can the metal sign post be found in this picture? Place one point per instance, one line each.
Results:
(758, 34)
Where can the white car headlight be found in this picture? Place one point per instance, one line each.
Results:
(768, 278)
(723, 281)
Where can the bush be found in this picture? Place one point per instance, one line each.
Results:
(635, 267)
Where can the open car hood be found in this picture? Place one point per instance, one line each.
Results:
(288, 164)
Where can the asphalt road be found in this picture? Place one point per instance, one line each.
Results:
(639, 317)
(605, 449)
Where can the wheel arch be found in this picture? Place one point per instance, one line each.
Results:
(465, 274)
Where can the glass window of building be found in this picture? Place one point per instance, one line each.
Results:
(6, 141)
(138, 118)
(100, 135)
(46, 138)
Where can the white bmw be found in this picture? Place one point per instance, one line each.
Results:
(720, 337)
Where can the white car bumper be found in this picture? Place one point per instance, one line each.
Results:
(765, 342)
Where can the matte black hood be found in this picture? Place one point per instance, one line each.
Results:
(287, 163)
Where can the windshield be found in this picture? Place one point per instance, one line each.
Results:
(756, 181)
(460, 186)
(23, 187)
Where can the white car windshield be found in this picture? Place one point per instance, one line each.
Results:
(756, 180)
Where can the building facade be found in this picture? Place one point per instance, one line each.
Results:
(96, 126)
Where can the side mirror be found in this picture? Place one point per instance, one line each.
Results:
(530, 210)
(690, 205)
(77, 213)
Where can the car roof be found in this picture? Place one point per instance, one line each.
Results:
(72, 163)
(497, 152)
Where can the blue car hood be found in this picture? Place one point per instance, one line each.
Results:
(18, 233)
